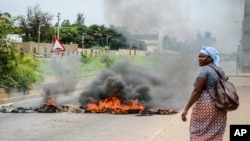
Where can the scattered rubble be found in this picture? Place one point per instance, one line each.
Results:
(157, 112)
(45, 108)
(72, 109)
(51, 108)
(11, 109)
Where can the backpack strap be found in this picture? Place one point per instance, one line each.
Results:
(219, 74)
(216, 70)
(225, 78)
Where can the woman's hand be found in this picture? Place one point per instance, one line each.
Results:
(184, 115)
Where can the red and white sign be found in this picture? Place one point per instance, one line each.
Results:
(57, 46)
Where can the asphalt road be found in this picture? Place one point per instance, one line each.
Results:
(66, 126)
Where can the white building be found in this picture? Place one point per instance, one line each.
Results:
(14, 38)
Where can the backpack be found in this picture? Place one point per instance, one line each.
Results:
(227, 98)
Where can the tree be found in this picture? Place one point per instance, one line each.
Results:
(120, 37)
(29, 25)
(95, 32)
(17, 70)
(80, 19)
(188, 46)
(5, 24)
(5, 16)
(6, 66)
(65, 23)
(206, 39)
(5, 52)
(68, 34)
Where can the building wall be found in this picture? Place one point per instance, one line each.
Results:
(131, 52)
(244, 61)
(43, 49)
(121, 52)
(153, 41)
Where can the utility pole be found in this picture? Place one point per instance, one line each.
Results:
(39, 32)
(58, 21)
(82, 41)
(107, 41)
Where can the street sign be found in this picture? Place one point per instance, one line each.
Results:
(57, 46)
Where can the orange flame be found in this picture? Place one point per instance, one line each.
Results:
(51, 101)
(114, 105)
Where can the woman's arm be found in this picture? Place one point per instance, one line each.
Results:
(199, 87)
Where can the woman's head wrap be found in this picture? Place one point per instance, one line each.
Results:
(212, 52)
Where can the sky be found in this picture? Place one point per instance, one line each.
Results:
(92, 9)
(177, 18)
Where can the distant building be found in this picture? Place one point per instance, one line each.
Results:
(153, 41)
(14, 38)
(243, 59)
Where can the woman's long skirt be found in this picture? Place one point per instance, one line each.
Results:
(207, 122)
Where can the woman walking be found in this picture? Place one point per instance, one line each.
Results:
(207, 123)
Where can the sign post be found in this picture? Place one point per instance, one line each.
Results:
(57, 46)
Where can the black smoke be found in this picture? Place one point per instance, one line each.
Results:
(128, 80)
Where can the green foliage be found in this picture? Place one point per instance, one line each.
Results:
(107, 60)
(5, 24)
(84, 59)
(91, 67)
(26, 71)
(17, 70)
(96, 48)
(77, 33)
(80, 19)
(68, 33)
(30, 23)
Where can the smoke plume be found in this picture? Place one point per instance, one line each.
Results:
(161, 86)
(63, 72)
(181, 18)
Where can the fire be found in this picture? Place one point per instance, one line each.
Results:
(51, 101)
(114, 105)
(49, 106)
